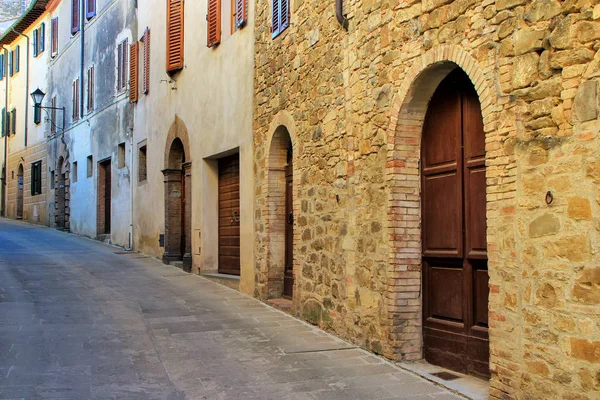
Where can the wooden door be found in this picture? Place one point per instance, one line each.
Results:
(288, 277)
(107, 196)
(455, 276)
(229, 215)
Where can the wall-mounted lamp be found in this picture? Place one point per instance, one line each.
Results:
(38, 97)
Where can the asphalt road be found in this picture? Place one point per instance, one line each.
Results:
(82, 320)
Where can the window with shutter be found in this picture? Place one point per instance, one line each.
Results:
(90, 89)
(146, 69)
(42, 39)
(76, 99)
(281, 16)
(2, 66)
(241, 13)
(214, 23)
(36, 178)
(133, 72)
(11, 57)
(74, 16)
(17, 58)
(35, 42)
(90, 11)
(174, 35)
(13, 122)
(122, 70)
(4, 130)
(54, 33)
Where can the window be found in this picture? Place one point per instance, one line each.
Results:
(121, 156)
(240, 14)
(2, 60)
(281, 16)
(74, 171)
(36, 178)
(214, 23)
(53, 115)
(17, 58)
(13, 121)
(133, 72)
(174, 35)
(36, 41)
(90, 167)
(4, 122)
(90, 9)
(76, 99)
(11, 58)
(54, 33)
(122, 66)
(42, 43)
(51, 179)
(142, 174)
(90, 89)
(74, 16)
(146, 63)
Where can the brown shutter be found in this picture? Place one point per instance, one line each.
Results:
(174, 35)
(133, 72)
(146, 83)
(54, 36)
(214, 22)
(74, 16)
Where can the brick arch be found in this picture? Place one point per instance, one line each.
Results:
(282, 133)
(178, 130)
(403, 174)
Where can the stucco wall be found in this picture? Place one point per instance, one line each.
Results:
(212, 96)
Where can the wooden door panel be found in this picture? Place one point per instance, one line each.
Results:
(445, 349)
(229, 215)
(442, 128)
(442, 208)
(288, 276)
(474, 137)
(481, 295)
(444, 303)
(475, 213)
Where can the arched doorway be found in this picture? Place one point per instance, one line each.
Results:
(454, 242)
(60, 195)
(20, 197)
(281, 215)
(178, 213)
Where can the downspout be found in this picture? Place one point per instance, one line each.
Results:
(81, 83)
(5, 164)
(26, 85)
(131, 180)
(339, 14)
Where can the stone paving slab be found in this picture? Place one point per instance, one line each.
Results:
(82, 320)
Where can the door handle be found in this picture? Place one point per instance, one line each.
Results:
(235, 217)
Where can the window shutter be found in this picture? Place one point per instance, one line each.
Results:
(54, 46)
(13, 120)
(90, 9)
(90, 88)
(3, 122)
(146, 81)
(33, 179)
(241, 13)
(11, 57)
(42, 38)
(285, 15)
(174, 35)
(35, 42)
(74, 16)
(17, 58)
(275, 20)
(1, 66)
(214, 23)
(133, 72)
(124, 70)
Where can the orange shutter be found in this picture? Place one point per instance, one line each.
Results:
(133, 72)
(214, 22)
(174, 35)
(146, 82)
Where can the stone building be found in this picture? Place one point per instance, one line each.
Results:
(428, 180)
(24, 66)
(193, 193)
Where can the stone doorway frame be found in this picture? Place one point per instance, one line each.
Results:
(177, 173)
(403, 301)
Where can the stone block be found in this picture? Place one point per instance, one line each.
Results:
(525, 69)
(527, 40)
(579, 208)
(585, 105)
(544, 225)
(564, 58)
(585, 350)
(587, 286)
(541, 10)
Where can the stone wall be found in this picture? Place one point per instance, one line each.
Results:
(354, 102)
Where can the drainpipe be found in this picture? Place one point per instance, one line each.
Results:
(131, 180)
(81, 83)
(339, 14)
(26, 86)
(5, 164)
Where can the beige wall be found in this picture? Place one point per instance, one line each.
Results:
(354, 104)
(212, 96)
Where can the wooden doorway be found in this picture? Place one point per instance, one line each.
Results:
(104, 197)
(20, 197)
(229, 215)
(455, 276)
(60, 195)
(288, 275)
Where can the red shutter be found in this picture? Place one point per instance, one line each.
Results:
(241, 13)
(174, 35)
(214, 23)
(133, 72)
(74, 16)
(146, 82)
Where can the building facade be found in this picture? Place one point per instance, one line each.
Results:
(193, 196)
(437, 163)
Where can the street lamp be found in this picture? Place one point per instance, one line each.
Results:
(38, 97)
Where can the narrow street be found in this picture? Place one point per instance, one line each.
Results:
(82, 320)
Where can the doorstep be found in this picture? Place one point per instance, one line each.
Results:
(469, 386)
(231, 281)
